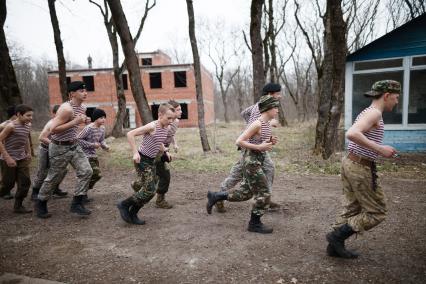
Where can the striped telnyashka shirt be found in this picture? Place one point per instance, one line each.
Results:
(150, 145)
(71, 133)
(173, 127)
(265, 133)
(89, 136)
(15, 143)
(375, 135)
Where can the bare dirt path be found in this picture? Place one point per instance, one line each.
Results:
(185, 245)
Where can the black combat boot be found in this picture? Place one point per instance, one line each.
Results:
(41, 209)
(256, 226)
(213, 197)
(34, 194)
(124, 207)
(58, 193)
(87, 199)
(336, 240)
(133, 212)
(78, 207)
(19, 208)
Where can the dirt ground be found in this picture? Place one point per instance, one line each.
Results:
(185, 245)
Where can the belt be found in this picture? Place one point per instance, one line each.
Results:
(360, 160)
(146, 158)
(44, 146)
(69, 142)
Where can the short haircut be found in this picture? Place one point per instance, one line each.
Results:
(11, 111)
(165, 107)
(174, 103)
(22, 109)
(55, 108)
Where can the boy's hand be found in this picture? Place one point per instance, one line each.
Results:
(97, 145)
(274, 140)
(136, 158)
(10, 162)
(265, 146)
(387, 151)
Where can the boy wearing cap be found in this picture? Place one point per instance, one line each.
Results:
(255, 142)
(364, 205)
(163, 170)
(15, 156)
(91, 138)
(43, 160)
(64, 150)
(235, 176)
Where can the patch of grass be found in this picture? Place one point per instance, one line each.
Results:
(292, 154)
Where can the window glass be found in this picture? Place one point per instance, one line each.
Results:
(417, 98)
(146, 61)
(125, 84)
(379, 64)
(419, 60)
(184, 108)
(363, 82)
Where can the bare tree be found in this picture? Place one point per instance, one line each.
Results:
(131, 60)
(59, 51)
(256, 47)
(402, 11)
(272, 29)
(223, 51)
(117, 130)
(197, 71)
(9, 90)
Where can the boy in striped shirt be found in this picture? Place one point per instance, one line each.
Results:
(15, 156)
(364, 206)
(154, 137)
(163, 170)
(91, 138)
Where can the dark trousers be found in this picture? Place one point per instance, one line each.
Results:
(19, 175)
(163, 173)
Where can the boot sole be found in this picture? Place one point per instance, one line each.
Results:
(80, 213)
(45, 216)
(260, 232)
(208, 205)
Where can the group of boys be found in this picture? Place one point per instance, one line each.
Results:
(365, 205)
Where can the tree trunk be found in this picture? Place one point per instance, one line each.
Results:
(59, 51)
(331, 85)
(132, 64)
(9, 90)
(256, 47)
(197, 72)
(225, 105)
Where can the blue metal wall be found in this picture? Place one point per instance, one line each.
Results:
(406, 140)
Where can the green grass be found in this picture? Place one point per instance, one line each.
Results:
(292, 154)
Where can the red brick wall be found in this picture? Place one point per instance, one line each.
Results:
(104, 95)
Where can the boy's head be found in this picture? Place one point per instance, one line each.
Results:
(177, 107)
(166, 114)
(99, 116)
(272, 89)
(11, 111)
(24, 113)
(269, 104)
(77, 89)
(388, 90)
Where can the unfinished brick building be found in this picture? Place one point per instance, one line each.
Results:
(161, 79)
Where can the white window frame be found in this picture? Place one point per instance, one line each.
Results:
(406, 68)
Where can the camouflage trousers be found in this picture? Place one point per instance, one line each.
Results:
(146, 183)
(43, 167)
(236, 174)
(19, 175)
(254, 183)
(96, 176)
(163, 175)
(59, 158)
(364, 206)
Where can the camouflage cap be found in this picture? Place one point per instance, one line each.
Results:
(384, 86)
(267, 102)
